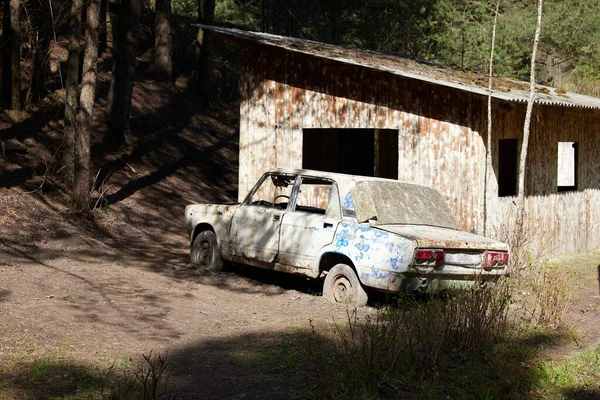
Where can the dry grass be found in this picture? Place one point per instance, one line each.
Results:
(481, 334)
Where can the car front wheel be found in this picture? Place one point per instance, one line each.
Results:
(205, 252)
(342, 286)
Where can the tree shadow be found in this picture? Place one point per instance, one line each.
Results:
(244, 366)
(281, 364)
(21, 137)
(582, 394)
(4, 294)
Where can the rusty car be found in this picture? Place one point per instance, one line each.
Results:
(356, 233)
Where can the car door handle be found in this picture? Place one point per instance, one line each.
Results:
(276, 217)
(327, 225)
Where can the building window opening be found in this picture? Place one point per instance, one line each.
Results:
(507, 167)
(567, 166)
(366, 152)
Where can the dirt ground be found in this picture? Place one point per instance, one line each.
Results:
(89, 304)
(86, 293)
(83, 294)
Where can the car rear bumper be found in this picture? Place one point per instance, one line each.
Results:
(429, 282)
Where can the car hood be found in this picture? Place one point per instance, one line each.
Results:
(444, 238)
(385, 202)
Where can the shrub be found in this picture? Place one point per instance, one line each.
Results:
(148, 379)
(416, 338)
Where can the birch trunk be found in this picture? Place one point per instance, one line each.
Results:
(526, 127)
(71, 98)
(488, 155)
(81, 190)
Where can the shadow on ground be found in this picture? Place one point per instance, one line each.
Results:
(268, 365)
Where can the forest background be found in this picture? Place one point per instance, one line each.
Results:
(61, 47)
(453, 32)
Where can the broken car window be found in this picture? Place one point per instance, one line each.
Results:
(274, 192)
(319, 197)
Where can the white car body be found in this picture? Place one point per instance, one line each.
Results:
(352, 229)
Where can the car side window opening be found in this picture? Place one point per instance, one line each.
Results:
(318, 196)
(274, 192)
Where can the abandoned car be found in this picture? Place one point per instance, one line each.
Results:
(354, 232)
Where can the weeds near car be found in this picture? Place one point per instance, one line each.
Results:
(148, 379)
(581, 370)
(546, 294)
(541, 291)
(474, 343)
(40, 371)
(390, 349)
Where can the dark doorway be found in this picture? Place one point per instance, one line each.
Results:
(367, 152)
(507, 167)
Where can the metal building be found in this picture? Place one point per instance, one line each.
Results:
(306, 104)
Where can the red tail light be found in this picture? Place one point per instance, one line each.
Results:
(494, 259)
(429, 258)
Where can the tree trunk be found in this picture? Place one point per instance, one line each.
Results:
(71, 98)
(110, 41)
(81, 190)
(488, 154)
(206, 16)
(41, 61)
(103, 27)
(112, 16)
(162, 40)
(526, 127)
(11, 59)
(125, 53)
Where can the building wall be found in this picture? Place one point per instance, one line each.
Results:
(283, 92)
(439, 138)
(555, 223)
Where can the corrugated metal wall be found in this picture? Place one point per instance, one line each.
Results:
(439, 145)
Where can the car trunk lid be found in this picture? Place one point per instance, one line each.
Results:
(444, 238)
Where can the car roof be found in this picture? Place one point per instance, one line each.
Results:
(346, 178)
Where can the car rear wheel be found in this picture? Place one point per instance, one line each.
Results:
(342, 286)
(205, 252)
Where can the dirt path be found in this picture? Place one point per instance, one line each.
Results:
(95, 311)
(85, 303)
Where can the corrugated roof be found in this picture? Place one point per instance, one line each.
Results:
(471, 81)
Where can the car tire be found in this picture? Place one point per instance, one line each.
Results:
(342, 286)
(205, 252)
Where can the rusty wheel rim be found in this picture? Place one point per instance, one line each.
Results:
(342, 289)
(205, 252)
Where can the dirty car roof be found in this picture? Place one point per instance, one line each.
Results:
(346, 178)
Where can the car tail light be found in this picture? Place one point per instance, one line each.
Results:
(494, 259)
(429, 258)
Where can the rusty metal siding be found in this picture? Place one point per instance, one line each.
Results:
(287, 92)
(441, 138)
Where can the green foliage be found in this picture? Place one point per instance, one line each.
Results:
(40, 371)
(185, 8)
(454, 32)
